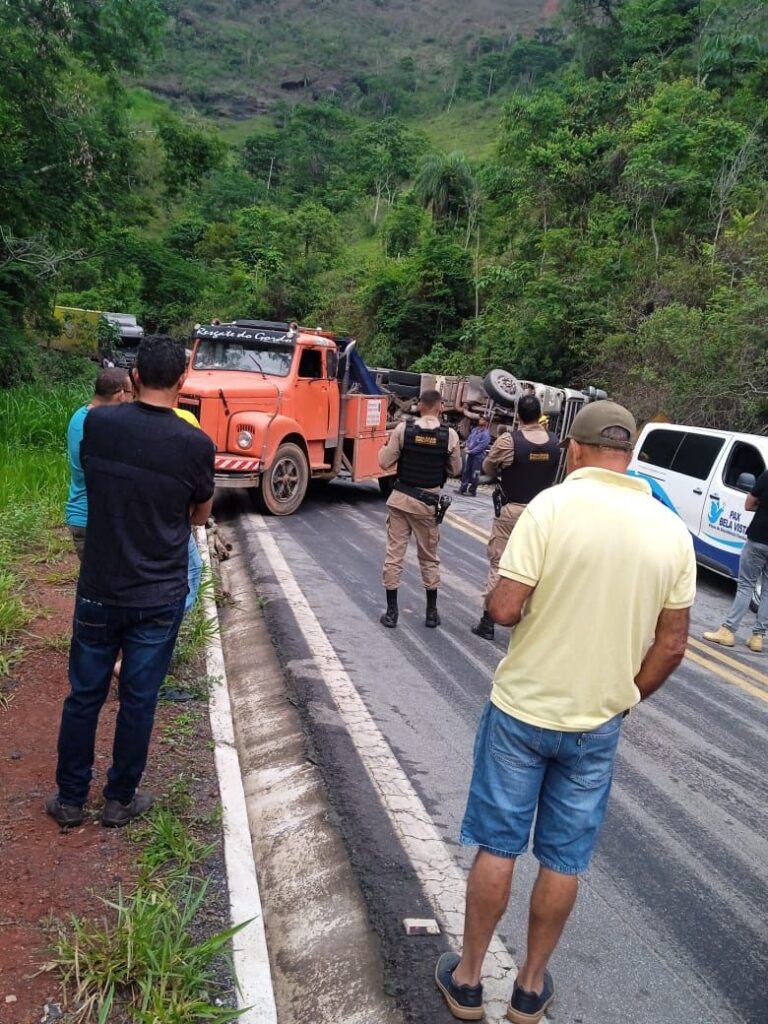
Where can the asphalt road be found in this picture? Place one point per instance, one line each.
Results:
(672, 919)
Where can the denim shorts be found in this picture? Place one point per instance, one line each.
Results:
(563, 779)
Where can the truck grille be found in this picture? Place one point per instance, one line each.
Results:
(190, 405)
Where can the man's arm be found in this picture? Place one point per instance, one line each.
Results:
(392, 450)
(502, 454)
(454, 453)
(200, 514)
(751, 503)
(507, 600)
(666, 652)
(757, 493)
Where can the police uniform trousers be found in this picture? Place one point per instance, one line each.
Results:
(406, 516)
(500, 533)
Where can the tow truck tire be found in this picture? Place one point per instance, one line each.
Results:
(285, 483)
(502, 387)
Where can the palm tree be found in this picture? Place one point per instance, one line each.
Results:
(446, 186)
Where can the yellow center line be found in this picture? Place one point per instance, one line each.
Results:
(466, 526)
(747, 670)
(729, 677)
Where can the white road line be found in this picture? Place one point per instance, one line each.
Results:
(443, 881)
(250, 955)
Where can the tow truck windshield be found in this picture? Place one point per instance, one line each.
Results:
(253, 356)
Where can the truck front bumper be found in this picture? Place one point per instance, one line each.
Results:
(236, 471)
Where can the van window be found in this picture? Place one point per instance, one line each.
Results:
(744, 458)
(696, 455)
(659, 447)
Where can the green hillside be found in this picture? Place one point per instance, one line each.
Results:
(236, 58)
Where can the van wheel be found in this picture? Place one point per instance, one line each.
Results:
(284, 484)
(755, 602)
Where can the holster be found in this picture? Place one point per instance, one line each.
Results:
(499, 500)
(444, 502)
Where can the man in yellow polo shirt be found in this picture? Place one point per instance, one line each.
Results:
(598, 579)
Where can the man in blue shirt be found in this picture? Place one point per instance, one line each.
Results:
(478, 443)
(113, 387)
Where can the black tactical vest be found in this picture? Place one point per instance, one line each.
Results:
(532, 471)
(423, 461)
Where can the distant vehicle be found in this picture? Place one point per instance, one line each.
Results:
(286, 404)
(704, 475)
(109, 338)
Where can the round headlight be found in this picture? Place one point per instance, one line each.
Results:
(244, 439)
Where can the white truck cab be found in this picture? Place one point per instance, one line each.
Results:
(704, 476)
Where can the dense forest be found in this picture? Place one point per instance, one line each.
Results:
(615, 233)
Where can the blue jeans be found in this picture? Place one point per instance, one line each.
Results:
(194, 574)
(146, 637)
(753, 566)
(472, 466)
(563, 779)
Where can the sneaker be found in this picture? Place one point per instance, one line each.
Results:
(464, 1001)
(755, 643)
(722, 636)
(115, 814)
(530, 1007)
(67, 815)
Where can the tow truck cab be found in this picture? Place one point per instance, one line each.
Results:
(284, 404)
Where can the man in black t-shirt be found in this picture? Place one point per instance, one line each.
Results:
(149, 477)
(753, 567)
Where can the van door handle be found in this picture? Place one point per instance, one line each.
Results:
(697, 490)
(715, 496)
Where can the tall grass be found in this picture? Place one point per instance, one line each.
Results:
(33, 463)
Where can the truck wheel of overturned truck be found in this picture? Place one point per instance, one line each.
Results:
(285, 483)
(502, 387)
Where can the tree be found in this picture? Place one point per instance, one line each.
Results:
(386, 153)
(446, 186)
(191, 152)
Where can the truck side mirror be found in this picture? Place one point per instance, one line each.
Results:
(745, 481)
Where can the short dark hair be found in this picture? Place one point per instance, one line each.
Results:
(431, 398)
(160, 361)
(110, 381)
(529, 409)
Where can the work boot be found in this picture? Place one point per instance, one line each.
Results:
(722, 636)
(389, 618)
(117, 814)
(484, 628)
(432, 619)
(755, 643)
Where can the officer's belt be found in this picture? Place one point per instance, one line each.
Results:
(428, 497)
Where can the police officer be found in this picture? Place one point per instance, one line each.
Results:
(524, 462)
(426, 453)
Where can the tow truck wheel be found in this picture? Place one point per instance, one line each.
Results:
(284, 484)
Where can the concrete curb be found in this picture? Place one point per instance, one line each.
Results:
(250, 954)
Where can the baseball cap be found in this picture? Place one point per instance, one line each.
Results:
(591, 422)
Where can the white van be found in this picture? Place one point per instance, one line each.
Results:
(704, 476)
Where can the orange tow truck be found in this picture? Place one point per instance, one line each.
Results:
(285, 405)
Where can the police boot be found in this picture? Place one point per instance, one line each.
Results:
(389, 618)
(433, 619)
(484, 628)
